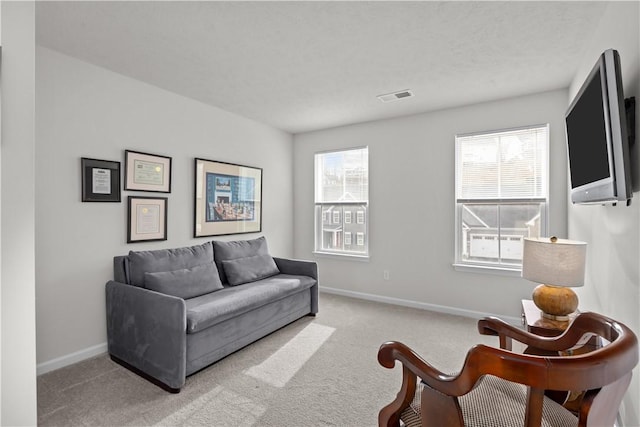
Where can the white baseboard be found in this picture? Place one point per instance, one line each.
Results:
(516, 321)
(70, 359)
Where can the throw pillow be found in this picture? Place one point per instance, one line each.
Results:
(141, 262)
(186, 282)
(249, 269)
(237, 249)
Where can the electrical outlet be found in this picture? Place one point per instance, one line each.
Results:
(385, 274)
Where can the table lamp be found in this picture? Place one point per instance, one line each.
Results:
(557, 264)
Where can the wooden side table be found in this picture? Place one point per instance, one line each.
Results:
(535, 323)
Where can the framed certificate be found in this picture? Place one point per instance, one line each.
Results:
(147, 172)
(147, 219)
(100, 180)
(228, 198)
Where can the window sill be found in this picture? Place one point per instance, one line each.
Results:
(355, 257)
(499, 271)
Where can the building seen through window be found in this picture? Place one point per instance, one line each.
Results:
(342, 202)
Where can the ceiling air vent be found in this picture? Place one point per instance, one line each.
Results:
(395, 96)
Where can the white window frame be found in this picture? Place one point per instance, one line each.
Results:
(508, 268)
(358, 247)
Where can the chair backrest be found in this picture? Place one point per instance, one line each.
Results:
(617, 356)
(603, 373)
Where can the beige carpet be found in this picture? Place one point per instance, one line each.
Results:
(318, 371)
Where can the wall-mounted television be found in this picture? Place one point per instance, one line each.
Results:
(597, 136)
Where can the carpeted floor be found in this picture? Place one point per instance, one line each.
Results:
(318, 371)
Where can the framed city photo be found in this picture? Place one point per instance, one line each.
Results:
(147, 219)
(228, 198)
(100, 180)
(147, 172)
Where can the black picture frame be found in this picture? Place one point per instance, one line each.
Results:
(227, 198)
(100, 180)
(147, 219)
(147, 172)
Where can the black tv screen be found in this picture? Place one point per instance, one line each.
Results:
(588, 152)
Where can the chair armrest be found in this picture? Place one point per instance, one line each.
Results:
(297, 267)
(391, 351)
(440, 386)
(147, 330)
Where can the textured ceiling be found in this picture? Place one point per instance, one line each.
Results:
(302, 66)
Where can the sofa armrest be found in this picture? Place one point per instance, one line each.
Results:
(297, 267)
(147, 330)
(301, 268)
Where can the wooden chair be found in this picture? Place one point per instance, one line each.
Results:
(499, 387)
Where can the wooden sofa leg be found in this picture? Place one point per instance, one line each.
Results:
(145, 375)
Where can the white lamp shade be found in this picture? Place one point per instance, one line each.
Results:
(557, 263)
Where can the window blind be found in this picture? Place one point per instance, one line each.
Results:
(342, 176)
(507, 165)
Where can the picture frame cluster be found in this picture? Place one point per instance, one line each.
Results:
(146, 215)
(227, 196)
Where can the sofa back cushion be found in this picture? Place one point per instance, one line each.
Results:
(141, 262)
(186, 282)
(237, 249)
(249, 269)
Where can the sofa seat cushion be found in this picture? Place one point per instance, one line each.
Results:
(210, 309)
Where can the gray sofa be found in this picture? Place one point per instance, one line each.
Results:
(173, 312)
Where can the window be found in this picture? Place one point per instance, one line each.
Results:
(501, 195)
(347, 238)
(342, 187)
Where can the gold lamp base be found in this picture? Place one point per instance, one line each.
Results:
(555, 302)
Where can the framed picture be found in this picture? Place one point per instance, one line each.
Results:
(147, 172)
(147, 219)
(100, 180)
(228, 198)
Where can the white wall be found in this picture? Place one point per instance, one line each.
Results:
(86, 111)
(18, 389)
(612, 284)
(411, 185)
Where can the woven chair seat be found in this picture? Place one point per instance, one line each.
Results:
(495, 402)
